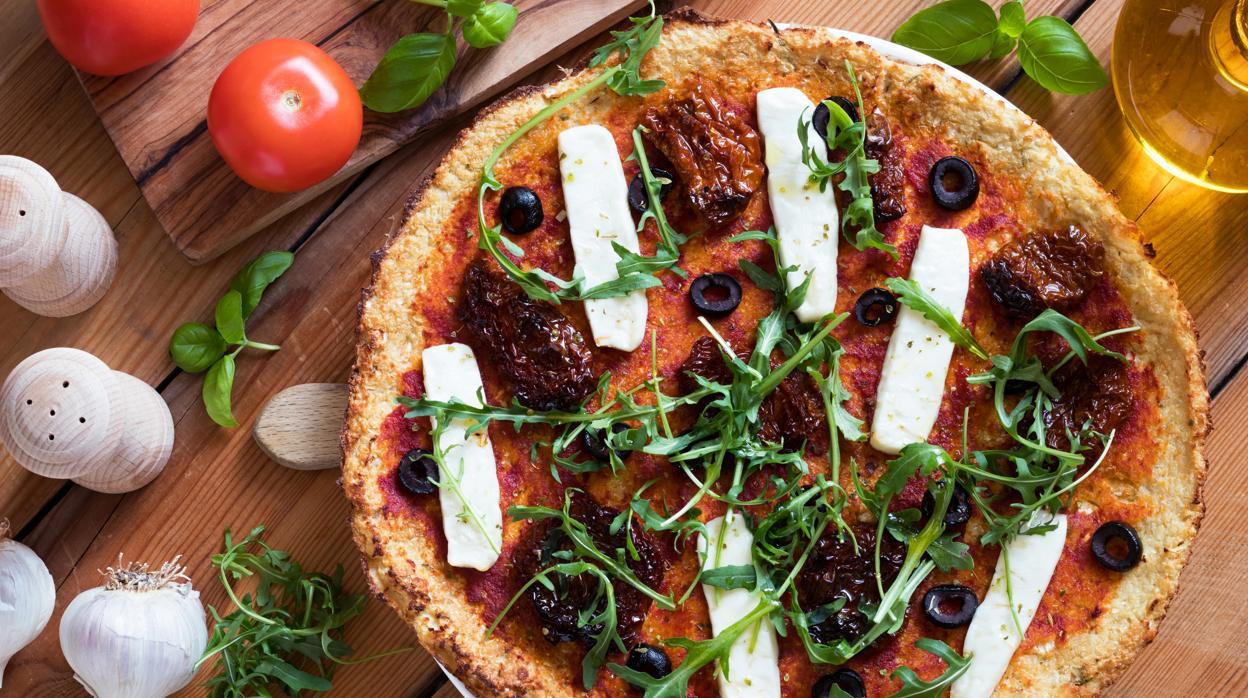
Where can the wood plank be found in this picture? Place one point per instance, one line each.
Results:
(1200, 651)
(156, 116)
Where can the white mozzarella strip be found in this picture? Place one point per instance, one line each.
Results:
(596, 197)
(451, 373)
(805, 218)
(992, 636)
(754, 660)
(912, 380)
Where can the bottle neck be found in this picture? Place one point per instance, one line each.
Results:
(1228, 41)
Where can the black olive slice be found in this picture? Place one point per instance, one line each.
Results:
(950, 605)
(637, 198)
(847, 680)
(649, 660)
(1117, 546)
(520, 210)
(715, 294)
(596, 446)
(823, 115)
(875, 307)
(954, 183)
(418, 472)
(959, 511)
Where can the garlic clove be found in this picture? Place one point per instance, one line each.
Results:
(138, 636)
(27, 596)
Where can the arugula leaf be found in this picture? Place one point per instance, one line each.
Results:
(914, 687)
(954, 31)
(917, 298)
(730, 577)
(255, 277)
(1053, 54)
(491, 25)
(697, 655)
(195, 347)
(410, 72)
(287, 631)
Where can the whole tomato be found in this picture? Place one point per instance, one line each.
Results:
(284, 115)
(112, 37)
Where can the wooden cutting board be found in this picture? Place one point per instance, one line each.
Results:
(156, 116)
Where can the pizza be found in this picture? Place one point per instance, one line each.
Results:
(745, 361)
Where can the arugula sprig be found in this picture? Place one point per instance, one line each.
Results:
(196, 347)
(628, 49)
(917, 298)
(855, 169)
(287, 632)
(914, 687)
(1050, 51)
(418, 64)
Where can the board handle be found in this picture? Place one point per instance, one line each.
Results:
(300, 426)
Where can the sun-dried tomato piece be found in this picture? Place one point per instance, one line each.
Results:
(792, 414)
(887, 185)
(559, 610)
(706, 361)
(1053, 269)
(538, 349)
(717, 155)
(835, 571)
(1097, 395)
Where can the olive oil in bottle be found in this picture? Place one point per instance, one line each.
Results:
(1180, 71)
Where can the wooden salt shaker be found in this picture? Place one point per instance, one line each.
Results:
(58, 255)
(65, 414)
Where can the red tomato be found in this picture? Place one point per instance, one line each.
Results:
(284, 115)
(111, 37)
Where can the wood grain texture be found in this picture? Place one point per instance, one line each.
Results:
(156, 116)
(217, 477)
(299, 427)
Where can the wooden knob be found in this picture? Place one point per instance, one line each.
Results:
(300, 427)
(32, 220)
(81, 274)
(65, 414)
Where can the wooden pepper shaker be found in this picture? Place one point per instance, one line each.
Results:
(65, 414)
(58, 255)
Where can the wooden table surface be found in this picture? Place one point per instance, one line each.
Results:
(219, 478)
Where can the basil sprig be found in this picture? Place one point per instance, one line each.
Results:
(196, 347)
(1050, 51)
(418, 64)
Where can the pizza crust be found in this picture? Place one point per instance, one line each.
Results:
(410, 574)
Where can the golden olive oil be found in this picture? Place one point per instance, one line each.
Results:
(1180, 70)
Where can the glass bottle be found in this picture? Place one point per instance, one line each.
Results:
(1180, 72)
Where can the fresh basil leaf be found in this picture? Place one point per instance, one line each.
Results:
(917, 298)
(229, 317)
(1013, 19)
(491, 25)
(218, 385)
(195, 347)
(1054, 55)
(1002, 44)
(730, 577)
(464, 8)
(412, 70)
(252, 280)
(954, 31)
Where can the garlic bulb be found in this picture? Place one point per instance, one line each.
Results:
(27, 596)
(139, 635)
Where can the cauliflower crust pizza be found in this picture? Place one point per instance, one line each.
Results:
(748, 362)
